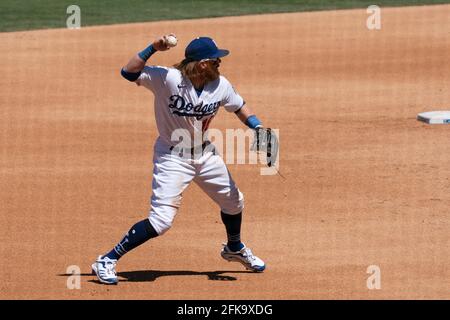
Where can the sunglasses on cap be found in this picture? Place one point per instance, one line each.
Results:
(211, 59)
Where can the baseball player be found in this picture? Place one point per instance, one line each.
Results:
(186, 98)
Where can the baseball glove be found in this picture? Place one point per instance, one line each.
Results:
(266, 141)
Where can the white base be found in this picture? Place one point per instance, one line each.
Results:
(435, 117)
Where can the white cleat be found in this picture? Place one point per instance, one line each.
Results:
(244, 256)
(105, 269)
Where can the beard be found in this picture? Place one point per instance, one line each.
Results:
(212, 73)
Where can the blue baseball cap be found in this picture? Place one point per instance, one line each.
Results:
(203, 48)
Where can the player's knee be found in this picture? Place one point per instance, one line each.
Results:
(235, 204)
(160, 225)
(162, 220)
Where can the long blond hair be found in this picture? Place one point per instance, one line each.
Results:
(188, 68)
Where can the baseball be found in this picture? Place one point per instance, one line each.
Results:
(171, 41)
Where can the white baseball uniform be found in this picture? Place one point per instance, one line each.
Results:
(182, 117)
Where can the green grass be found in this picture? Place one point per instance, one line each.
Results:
(39, 14)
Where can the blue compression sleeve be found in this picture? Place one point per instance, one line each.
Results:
(252, 122)
(130, 76)
(147, 53)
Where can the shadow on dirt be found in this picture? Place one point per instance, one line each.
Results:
(152, 275)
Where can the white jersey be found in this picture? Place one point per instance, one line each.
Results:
(178, 106)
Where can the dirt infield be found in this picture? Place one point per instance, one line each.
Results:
(366, 184)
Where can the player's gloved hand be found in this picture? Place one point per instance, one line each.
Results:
(265, 140)
(161, 44)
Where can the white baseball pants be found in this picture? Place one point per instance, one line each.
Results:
(172, 173)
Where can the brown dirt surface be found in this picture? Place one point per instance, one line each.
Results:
(365, 183)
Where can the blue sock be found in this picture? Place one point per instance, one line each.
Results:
(138, 234)
(232, 224)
